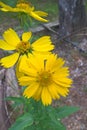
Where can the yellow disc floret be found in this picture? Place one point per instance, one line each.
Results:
(23, 47)
(24, 5)
(44, 78)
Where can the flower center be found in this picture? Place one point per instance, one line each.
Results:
(23, 47)
(23, 5)
(44, 78)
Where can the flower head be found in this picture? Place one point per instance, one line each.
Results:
(26, 8)
(45, 79)
(12, 42)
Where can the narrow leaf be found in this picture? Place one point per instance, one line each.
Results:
(15, 99)
(66, 111)
(22, 122)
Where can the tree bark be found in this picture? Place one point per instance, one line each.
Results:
(4, 122)
(72, 16)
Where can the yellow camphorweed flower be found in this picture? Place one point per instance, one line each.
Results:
(21, 47)
(26, 8)
(45, 79)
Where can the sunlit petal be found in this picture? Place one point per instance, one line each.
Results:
(43, 44)
(26, 80)
(11, 37)
(41, 13)
(37, 95)
(5, 46)
(46, 97)
(26, 36)
(9, 61)
(31, 90)
(37, 17)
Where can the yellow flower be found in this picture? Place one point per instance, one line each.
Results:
(22, 46)
(45, 79)
(26, 8)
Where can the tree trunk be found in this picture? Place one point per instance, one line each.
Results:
(4, 121)
(72, 16)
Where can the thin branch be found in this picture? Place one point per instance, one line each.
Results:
(62, 38)
(75, 32)
(8, 117)
(80, 34)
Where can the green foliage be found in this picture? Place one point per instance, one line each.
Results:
(10, 2)
(18, 101)
(22, 122)
(86, 4)
(39, 117)
(66, 111)
(25, 21)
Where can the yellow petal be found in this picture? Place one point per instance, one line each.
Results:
(53, 91)
(61, 72)
(46, 97)
(57, 66)
(44, 55)
(18, 74)
(44, 48)
(37, 17)
(54, 63)
(5, 46)
(21, 62)
(25, 67)
(41, 13)
(36, 62)
(43, 44)
(51, 60)
(11, 37)
(5, 7)
(42, 40)
(26, 36)
(37, 95)
(26, 80)
(31, 90)
(62, 91)
(9, 61)
(63, 81)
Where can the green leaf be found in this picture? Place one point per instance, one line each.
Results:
(32, 127)
(22, 122)
(17, 100)
(52, 114)
(65, 111)
(60, 126)
(50, 125)
(55, 124)
(10, 2)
